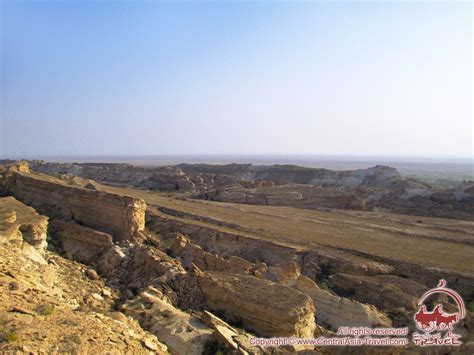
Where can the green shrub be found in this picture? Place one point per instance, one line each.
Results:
(470, 306)
(46, 310)
(12, 336)
(325, 286)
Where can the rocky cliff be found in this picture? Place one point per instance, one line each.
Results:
(332, 310)
(376, 188)
(120, 216)
(268, 308)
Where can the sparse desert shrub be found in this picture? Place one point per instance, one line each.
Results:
(46, 310)
(212, 347)
(470, 306)
(324, 286)
(9, 336)
(325, 272)
(12, 336)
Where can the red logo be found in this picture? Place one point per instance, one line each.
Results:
(438, 320)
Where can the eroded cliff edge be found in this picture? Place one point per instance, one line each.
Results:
(380, 187)
(122, 216)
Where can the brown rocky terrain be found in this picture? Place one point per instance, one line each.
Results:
(134, 271)
(379, 188)
(49, 303)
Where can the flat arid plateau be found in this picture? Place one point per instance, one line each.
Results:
(434, 242)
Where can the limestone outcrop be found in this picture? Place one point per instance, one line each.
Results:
(148, 264)
(222, 243)
(294, 195)
(378, 175)
(84, 244)
(388, 292)
(182, 333)
(281, 185)
(318, 264)
(121, 216)
(49, 305)
(167, 178)
(192, 254)
(22, 223)
(290, 311)
(268, 308)
(331, 310)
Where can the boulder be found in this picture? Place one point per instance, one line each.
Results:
(178, 245)
(283, 273)
(192, 254)
(111, 260)
(268, 308)
(147, 264)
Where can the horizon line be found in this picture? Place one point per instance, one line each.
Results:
(284, 156)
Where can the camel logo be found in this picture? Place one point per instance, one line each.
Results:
(434, 323)
(436, 320)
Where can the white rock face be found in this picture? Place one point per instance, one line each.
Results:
(121, 216)
(181, 332)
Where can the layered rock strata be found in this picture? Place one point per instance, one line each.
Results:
(331, 310)
(121, 216)
(268, 308)
(335, 311)
(84, 244)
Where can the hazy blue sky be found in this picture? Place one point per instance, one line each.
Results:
(358, 78)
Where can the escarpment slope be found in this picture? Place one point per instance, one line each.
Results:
(378, 188)
(120, 215)
(399, 256)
